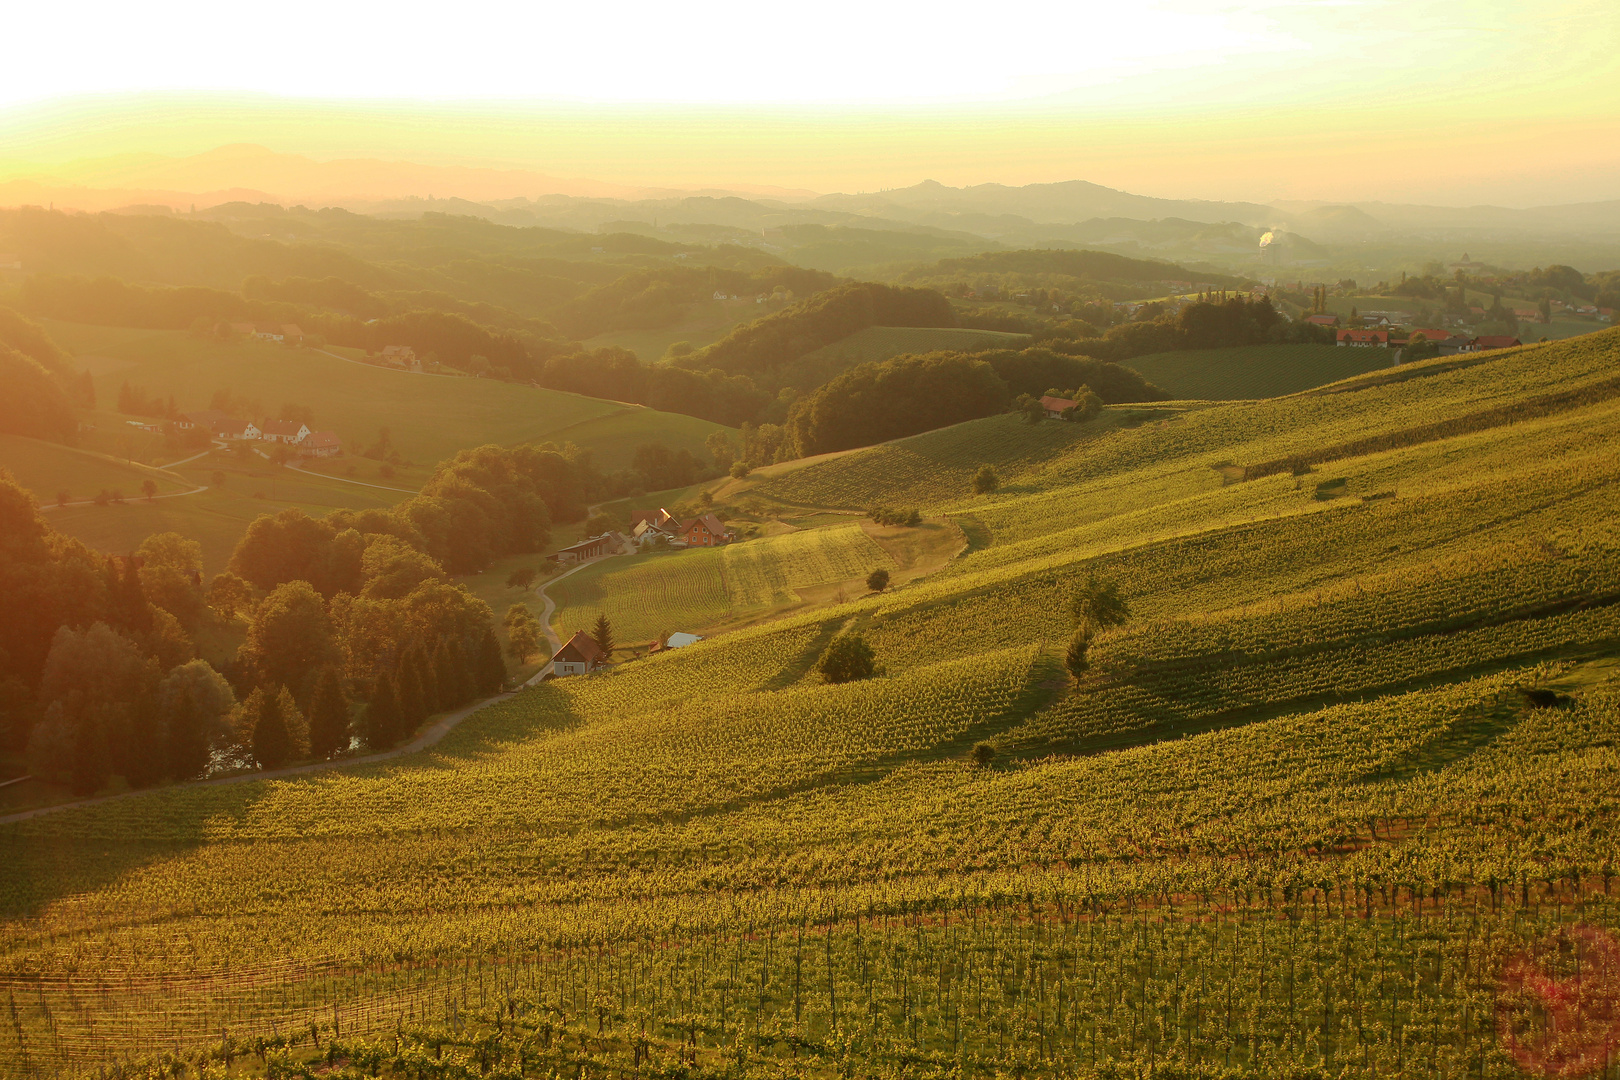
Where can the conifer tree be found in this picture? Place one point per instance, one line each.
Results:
(296, 722)
(381, 727)
(602, 634)
(272, 743)
(328, 716)
(491, 669)
(429, 674)
(450, 667)
(408, 691)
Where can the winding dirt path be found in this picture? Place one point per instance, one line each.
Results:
(549, 607)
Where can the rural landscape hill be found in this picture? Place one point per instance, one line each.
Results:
(1348, 676)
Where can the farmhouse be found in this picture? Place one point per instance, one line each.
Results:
(1456, 343)
(291, 432)
(1496, 341)
(658, 519)
(580, 655)
(239, 430)
(220, 425)
(401, 356)
(1376, 339)
(1055, 406)
(1322, 320)
(592, 548)
(269, 332)
(321, 444)
(705, 531)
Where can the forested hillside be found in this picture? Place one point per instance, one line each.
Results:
(1270, 738)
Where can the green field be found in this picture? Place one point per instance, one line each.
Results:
(932, 468)
(49, 469)
(429, 417)
(1346, 768)
(1254, 371)
(656, 594)
(882, 342)
(706, 322)
(218, 516)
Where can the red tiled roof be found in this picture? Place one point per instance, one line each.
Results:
(581, 648)
(1364, 335)
(1323, 320)
(1496, 341)
(281, 427)
(1056, 404)
(323, 438)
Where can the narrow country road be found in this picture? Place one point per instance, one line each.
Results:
(426, 738)
(549, 606)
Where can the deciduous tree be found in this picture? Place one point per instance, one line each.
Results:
(847, 658)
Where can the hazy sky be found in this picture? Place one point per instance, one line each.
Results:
(1510, 101)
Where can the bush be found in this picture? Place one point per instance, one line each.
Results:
(889, 515)
(985, 480)
(1074, 658)
(739, 470)
(848, 658)
(877, 580)
(983, 754)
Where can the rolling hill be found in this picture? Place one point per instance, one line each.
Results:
(428, 417)
(1348, 759)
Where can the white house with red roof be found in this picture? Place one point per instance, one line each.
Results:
(580, 655)
(291, 432)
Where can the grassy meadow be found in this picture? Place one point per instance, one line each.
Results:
(702, 589)
(50, 470)
(1254, 371)
(705, 322)
(1348, 760)
(217, 516)
(882, 342)
(428, 417)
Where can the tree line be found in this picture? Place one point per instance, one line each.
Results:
(907, 395)
(353, 631)
(39, 386)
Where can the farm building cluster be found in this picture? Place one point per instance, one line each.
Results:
(292, 433)
(581, 655)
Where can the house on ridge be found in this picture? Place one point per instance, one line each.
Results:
(580, 655)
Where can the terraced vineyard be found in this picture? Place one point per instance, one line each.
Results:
(652, 595)
(1336, 799)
